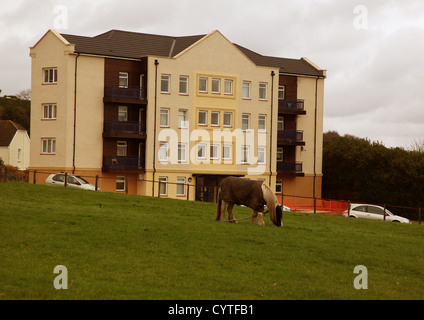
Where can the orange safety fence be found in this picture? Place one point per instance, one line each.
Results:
(302, 204)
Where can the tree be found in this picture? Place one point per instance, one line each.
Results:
(24, 95)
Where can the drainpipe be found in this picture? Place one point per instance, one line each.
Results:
(271, 129)
(75, 112)
(315, 143)
(154, 127)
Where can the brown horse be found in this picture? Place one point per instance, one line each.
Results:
(252, 194)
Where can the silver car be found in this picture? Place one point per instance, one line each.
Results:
(370, 211)
(58, 179)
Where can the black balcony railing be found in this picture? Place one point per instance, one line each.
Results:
(125, 127)
(296, 105)
(117, 162)
(122, 92)
(289, 166)
(290, 135)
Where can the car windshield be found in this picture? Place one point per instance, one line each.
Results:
(83, 181)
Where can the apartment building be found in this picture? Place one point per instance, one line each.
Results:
(135, 108)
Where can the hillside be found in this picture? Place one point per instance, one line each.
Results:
(133, 247)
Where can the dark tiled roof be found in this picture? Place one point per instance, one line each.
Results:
(134, 45)
(7, 131)
(286, 65)
(125, 44)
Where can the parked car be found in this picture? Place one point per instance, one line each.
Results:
(370, 211)
(58, 179)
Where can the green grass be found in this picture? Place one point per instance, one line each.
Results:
(134, 247)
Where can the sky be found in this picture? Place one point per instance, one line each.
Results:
(372, 50)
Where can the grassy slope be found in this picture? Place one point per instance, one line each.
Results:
(135, 247)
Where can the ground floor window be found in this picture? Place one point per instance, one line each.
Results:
(120, 183)
(278, 186)
(181, 186)
(163, 186)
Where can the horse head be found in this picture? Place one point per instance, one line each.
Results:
(278, 216)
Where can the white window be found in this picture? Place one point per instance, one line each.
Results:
(122, 113)
(183, 85)
(279, 154)
(182, 152)
(49, 111)
(228, 116)
(165, 83)
(278, 186)
(226, 152)
(262, 91)
(245, 121)
(216, 85)
(280, 123)
(49, 146)
(203, 118)
(123, 79)
(50, 75)
(214, 152)
(121, 149)
(19, 154)
(203, 84)
(120, 183)
(215, 118)
(244, 154)
(182, 119)
(163, 186)
(246, 90)
(262, 123)
(228, 86)
(164, 117)
(163, 151)
(201, 151)
(281, 92)
(261, 154)
(181, 186)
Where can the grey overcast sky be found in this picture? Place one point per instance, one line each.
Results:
(373, 50)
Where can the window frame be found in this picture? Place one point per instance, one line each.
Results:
(231, 82)
(263, 88)
(248, 87)
(230, 148)
(163, 152)
(243, 115)
(184, 123)
(263, 116)
(181, 182)
(163, 181)
(51, 73)
(245, 149)
(164, 112)
(218, 80)
(281, 88)
(180, 159)
(231, 120)
(51, 111)
(262, 149)
(215, 124)
(120, 180)
(50, 143)
(167, 78)
(121, 146)
(206, 118)
(201, 146)
(214, 151)
(183, 80)
(123, 110)
(123, 75)
(205, 79)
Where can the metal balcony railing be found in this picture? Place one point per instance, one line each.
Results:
(291, 105)
(118, 162)
(125, 127)
(290, 135)
(125, 92)
(290, 166)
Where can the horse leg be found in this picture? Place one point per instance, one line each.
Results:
(254, 215)
(222, 216)
(230, 212)
(261, 219)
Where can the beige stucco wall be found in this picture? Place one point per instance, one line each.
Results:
(213, 57)
(52, 51)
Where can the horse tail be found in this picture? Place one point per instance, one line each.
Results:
(218, 203)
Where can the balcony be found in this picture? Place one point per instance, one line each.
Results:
(124, 129)
(291, 106)
(290, 166)
(116, 163)
(125, 95)
(290, 137)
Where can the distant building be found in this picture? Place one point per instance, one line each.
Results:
(156, 108)
(14, 144)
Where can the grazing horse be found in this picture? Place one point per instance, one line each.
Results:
(252, 194)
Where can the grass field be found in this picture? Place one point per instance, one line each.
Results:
(132, 247)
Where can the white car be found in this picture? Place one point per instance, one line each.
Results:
(370, 211)
(58, 179)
